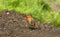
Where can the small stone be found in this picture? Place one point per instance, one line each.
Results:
(8, 13)
(4, 28)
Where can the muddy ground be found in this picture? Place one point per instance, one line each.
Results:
(13, 24)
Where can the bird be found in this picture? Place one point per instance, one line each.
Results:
(28, 18)
(31, 21)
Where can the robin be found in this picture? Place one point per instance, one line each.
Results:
(28, 18)
(31, 21)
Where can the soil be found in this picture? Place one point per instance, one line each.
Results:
(14, 24)
(55, 6)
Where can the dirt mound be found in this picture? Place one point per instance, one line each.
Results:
(14, 24)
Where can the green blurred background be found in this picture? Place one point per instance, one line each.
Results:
(40, 9)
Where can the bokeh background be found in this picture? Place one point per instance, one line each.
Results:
(42, 10)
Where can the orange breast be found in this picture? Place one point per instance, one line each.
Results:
(28, 18)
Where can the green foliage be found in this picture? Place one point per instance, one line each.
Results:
(40, 9)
